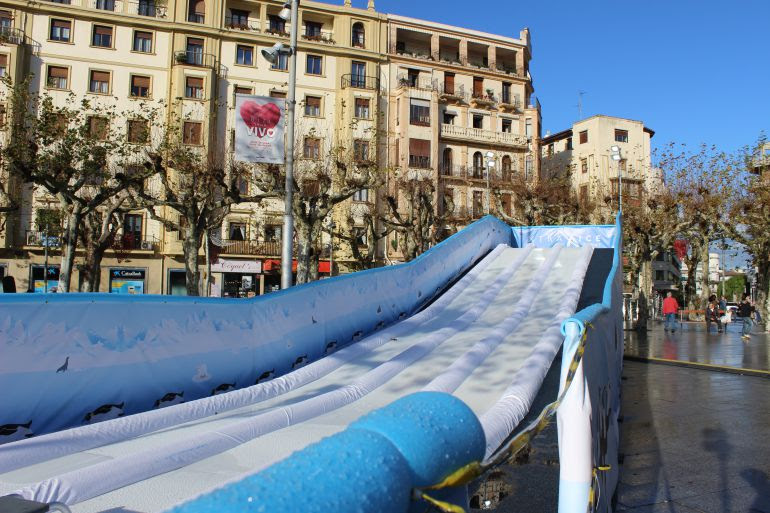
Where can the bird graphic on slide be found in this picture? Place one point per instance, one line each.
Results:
(64, 366)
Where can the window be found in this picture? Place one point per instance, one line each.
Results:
(313, 106)
(361, 195)
(281, 62)
(132, 231)
(58, 77)
(478, 165)
(197, 11)
(362, 108)
(6, 19)
(446, 162)
(360, 150)
(528, 127)
(449, 118)
(99, 82)
(529, 167)
(277, 94)
(146, 8)
(3, 64)
(140, 86)
(243, 90)
(449, 83)
(419, 153)
(413, 77)
(621, 136)
(194, 54)
(142, 41)
(313, 29)
(237, 231)
(478, 202)
(506, 203)
(311, 148)
(357, 74)
(507, 125)
(506, 93)
(242, 183)
(550, 149)
(3, 115)
(584, 137)
(506, 168)
(448, 199)
(97, 127)
(478, 87)
(105, 5)
(191, 133)
(238, 19)
(102, 36)
(273, 232)
(622, 164)
(583, 193)
(419, 112)
(583, 165)
(359, 233)
(244, 55)
(193, 88)
(478, 121)
(138, 131)
(277, 25)
(569, 143)
(61, 30)
(358, 38)
(313, 66)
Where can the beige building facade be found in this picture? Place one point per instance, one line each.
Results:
(583, 152)
(193, 56)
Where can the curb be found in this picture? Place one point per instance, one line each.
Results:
(700, 366)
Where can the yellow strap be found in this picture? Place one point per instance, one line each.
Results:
(446, 507)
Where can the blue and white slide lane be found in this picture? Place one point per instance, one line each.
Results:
(521, 286)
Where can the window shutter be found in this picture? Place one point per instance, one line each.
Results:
(57, 72)
(449, 81)
(195, 82)
(102, 31)
(242, 90)
(419, 147)
(138, 81)
(200, 7)
(60, 23)
(100, 76)
(313, 101)
(3, 60)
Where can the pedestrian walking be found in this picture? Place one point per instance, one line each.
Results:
(670, 309)
(712, 314)
(746, 312)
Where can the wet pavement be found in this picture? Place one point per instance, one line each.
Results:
(691, 343)
(695, 439)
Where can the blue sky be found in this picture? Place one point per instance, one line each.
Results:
(693, 70)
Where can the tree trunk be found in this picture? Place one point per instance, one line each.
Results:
(763, 292)
(70, 240)
(643, 298)
(304, 245)
(191, 245)
(92, 269)
(704, 279)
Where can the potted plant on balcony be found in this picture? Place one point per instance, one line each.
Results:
(181, 57)
(490, 94)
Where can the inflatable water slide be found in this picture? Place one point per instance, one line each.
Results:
(382, 390)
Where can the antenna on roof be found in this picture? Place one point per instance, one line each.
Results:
(580, 104)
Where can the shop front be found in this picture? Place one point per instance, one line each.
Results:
(239, 278)
(272, 269)
(127, 281)
(44, 278)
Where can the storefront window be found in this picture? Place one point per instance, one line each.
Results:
(127, 281)
(44, 279)
(240, 285)
(177, 283)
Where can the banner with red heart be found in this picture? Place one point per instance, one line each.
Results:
(259, 129)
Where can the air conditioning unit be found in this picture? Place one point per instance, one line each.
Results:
(147, 245)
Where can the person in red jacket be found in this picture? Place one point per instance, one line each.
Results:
(670, 309)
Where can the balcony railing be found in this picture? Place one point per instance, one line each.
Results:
(322, 36)
(509, 70)
(131, 242)
(358, 40)
(42, 239)
(360, 82)
(239, 23)
(453, 92)
(11, 35)
(419, 161)
(250, 247)
(149, 9)
(484, 136)
(416, 83)
(510, 101)
(483, 99)
(413, 52)
(195, 58)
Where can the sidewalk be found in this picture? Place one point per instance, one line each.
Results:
(695, 439)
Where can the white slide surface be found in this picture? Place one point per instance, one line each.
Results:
(489, 340)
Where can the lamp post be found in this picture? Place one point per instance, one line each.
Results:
(332, 226)
(617, 158)
(490, 167)
(290, 11)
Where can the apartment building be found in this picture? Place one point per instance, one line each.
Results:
(583, 152)
(760, 163)
(194, 56)
(460, 99)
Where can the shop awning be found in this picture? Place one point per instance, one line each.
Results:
(273, 264)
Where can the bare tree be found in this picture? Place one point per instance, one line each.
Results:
(98, 235)
(321, 182)
(72, 150)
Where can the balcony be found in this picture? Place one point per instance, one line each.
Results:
(41, 240)
(467, 134)
(149, 9)
(419, 162)
(199, 59)
(452, 93)
(360, 82)
(483, 100)
(241, 23)
(510, 102)
(131, 242)
(414, 82)
(250, 247)
(319, 36)
(10, 35)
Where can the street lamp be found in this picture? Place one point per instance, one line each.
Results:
(617, 158)
(490, 167)
(289, 12)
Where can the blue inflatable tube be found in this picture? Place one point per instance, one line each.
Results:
(371, 466)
